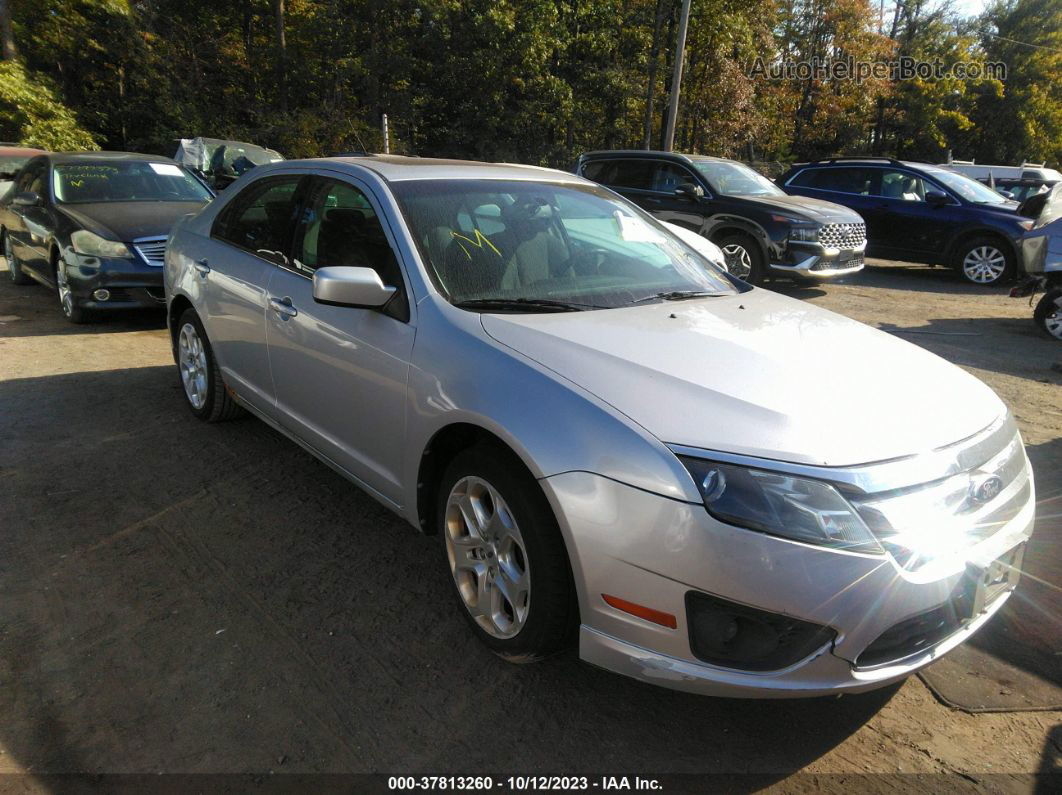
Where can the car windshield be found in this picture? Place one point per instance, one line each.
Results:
(128, 181)
(518, 242)
(736, 179)
(11, 164)
(969, 189)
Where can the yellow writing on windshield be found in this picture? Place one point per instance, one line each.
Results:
(479, 241)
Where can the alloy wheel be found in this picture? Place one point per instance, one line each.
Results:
(738, 260)
(1053, 320)
(66, 297)
(193, 363)
(487, 556)
(984, 264)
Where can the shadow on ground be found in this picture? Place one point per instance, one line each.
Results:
(177, 597)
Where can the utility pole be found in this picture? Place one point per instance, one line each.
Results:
(386, 136)
(676, 77)
(7, 38)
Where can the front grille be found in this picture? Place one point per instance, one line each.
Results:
(152, 251)
(843, 236)
(911, 636)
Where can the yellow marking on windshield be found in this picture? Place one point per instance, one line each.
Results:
(478, 242)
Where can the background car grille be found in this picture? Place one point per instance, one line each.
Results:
(153, 251)
(843, 235)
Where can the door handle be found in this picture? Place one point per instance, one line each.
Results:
(283, 307)
(201, 267)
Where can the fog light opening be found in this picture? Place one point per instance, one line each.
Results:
(102, 295)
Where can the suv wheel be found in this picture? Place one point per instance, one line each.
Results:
(199, 374)
(985, 261)
(506, 556)
(1048, 313)
(743, 257)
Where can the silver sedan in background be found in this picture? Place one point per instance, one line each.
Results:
(705, 485)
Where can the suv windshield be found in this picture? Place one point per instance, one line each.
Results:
(128, 181)
(969, 189)
(518, 242)
(736, 179)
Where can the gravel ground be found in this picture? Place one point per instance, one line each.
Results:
(192, 598)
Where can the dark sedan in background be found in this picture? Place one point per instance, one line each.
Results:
(93, 227)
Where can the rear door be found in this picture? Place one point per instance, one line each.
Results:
(340, 371)
(250, 238)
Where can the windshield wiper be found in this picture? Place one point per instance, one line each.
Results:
(529, 304)
(675, 295)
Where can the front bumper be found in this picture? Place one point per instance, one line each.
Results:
(814, 262)
(129, 283)
(652, 551)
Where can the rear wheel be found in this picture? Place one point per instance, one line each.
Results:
(985, 261)
(200, 376)
(1048, 313)
(744, 258)
(506, 555)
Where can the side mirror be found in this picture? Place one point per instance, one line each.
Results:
(26, 199)
(936, 198)
(1006, 194)
(689, 191)
(344, 286)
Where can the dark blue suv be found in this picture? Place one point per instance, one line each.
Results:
(917, 212)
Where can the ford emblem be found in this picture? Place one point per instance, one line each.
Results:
(985, 489)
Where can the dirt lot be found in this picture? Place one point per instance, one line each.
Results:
(183, 597)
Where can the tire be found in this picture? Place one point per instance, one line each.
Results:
(198, 373)
(984, 261)
(14, 268)
(67, 300)
(744, 258)
(506, 556)
(1048, 314)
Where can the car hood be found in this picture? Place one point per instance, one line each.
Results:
(812, 209)
(758, 374)
(128, 221)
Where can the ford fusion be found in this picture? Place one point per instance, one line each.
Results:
(93, 227)
(702, 484)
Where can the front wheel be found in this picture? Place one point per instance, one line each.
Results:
(1048, 314)
(506, 555)
(200, 376)
(14, 268)
(744, 258)
(985, 261)
(67, 300)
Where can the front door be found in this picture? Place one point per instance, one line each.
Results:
(340, 371)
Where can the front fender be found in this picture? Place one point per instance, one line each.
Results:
(460, 375)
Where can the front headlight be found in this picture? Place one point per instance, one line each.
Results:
(781, 505)
(92, 245)
(804, 234)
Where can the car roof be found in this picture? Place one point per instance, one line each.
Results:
(399, 168)
(65, 158)
(653, 153)
(17, 151)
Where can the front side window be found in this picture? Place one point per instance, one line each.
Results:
(668, 176)
(735, 179)
(340, 228)
(10, 165)
(903, 186)
(260, 219)
(128, 181)
(555, 242)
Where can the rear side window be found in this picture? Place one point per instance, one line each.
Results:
(838, 180)
(636, 174)
(261, 218)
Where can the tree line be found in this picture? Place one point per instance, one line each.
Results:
(533, 81)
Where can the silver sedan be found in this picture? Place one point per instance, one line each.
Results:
(705, 485)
